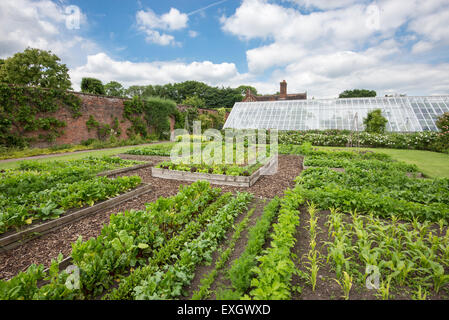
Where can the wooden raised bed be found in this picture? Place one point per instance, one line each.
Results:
(12, 240)
(220, 179)
(124, 170)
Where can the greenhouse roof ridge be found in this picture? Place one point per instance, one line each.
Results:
(303, 101)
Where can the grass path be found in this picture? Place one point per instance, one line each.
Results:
(432, 164)
(13, 163)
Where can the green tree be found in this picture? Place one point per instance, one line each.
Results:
(213, 97)
(114, 89)
(134, 91)
(194, 101)
(35, 67)
(442, 123)
(375, 122)
(217, 120)
(243, 89)
(92, 85)
(207, 122)
(358, 93)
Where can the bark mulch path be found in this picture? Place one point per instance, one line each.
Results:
(42, 250)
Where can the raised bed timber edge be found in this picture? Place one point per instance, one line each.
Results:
(123, 170)
(219, 179)
(12, 240)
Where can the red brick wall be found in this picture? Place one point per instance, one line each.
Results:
(103, 109)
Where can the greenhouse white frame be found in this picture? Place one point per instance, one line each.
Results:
(404, 114)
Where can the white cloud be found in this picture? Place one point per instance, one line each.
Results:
(256, 19)
(128, 73)
(149, 22)
(345, 44)
(322, 51)
(335, 64)
(161, 39)
(41, 24)
(421, 46)
(193, 34)
(174, 19)
(329, 78)
(342, 27)
(324, 4)
(433, 27)
(275, 54)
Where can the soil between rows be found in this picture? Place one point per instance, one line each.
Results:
(42, 250)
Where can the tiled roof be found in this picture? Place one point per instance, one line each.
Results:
(296, 96)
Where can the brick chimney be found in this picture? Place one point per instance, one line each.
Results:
(283, 92)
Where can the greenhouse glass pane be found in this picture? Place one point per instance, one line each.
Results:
(402, 113)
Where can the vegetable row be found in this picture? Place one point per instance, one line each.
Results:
(41, 191)
(128, 241)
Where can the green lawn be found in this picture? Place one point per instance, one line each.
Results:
(74, 156)
(432, 164)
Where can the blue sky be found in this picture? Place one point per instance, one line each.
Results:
(319, 46)
(114, 28)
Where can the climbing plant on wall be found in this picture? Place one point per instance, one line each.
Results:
(29, 109)
(104, 130)
(149, 113)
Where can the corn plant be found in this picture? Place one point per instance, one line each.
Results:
(441, 224)
(337, 253)
(384, 289)
(401, 267)
(313, 255)
(345, 284)
(420, 294)
(444, 249)
(422, 228)
(335, 221)
(313, 221)
(439, 278)
(369, 256)
(313, 262)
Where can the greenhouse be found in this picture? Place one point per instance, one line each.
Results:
(404, 114)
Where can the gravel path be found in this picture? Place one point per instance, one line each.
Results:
(42, 250)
